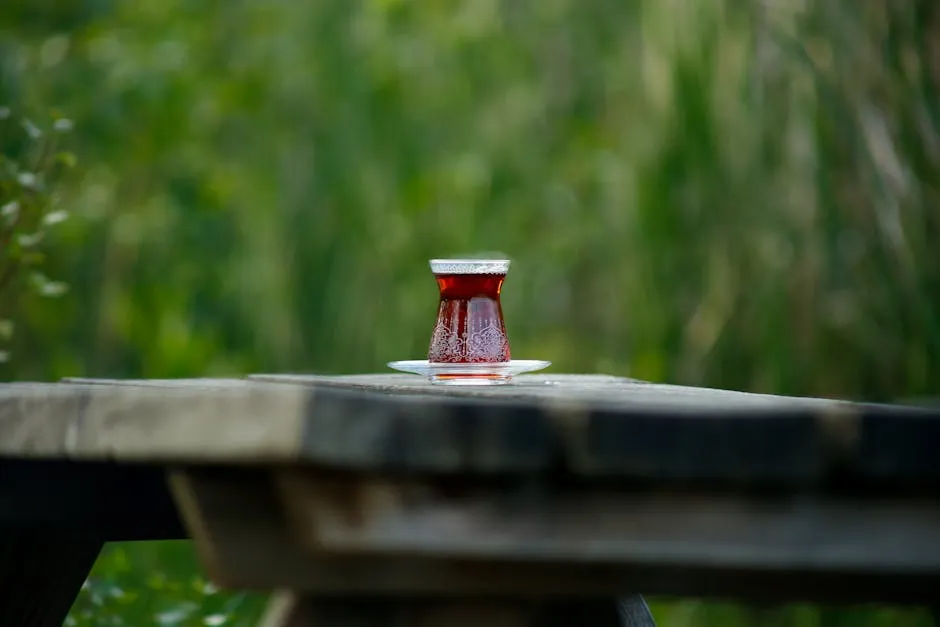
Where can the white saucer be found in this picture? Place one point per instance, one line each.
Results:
(469, 374)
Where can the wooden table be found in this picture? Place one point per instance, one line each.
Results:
(366, 497)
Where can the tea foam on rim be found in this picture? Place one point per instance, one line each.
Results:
(469, 266)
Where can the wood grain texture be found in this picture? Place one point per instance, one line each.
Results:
(359, 516)
(610, 427)
(292, 610)
(212, 421)
(247, 540)
(243, 541)
(586, 425)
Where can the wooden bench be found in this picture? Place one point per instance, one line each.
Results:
(364, 499)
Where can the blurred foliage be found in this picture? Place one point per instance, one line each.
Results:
(29, 163)
(741, 195)
(158, 583)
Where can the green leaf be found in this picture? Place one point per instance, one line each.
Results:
(6, 329)
(46, 287)
(28, 180)
(10, 211)
(176, 615)
(63, 125)
(29, 240)
(55, 217)
(32, 258)
(31, 129)
(54, 289)
(67, 159)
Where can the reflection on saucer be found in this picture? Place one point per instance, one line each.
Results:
(470, 374)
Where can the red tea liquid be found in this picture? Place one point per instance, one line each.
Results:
(470, 327)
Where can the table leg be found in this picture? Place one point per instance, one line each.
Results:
(292, 610)
(635, 613)
(627, 612)
(41, 571)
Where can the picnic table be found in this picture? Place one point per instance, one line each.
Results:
(364, 500)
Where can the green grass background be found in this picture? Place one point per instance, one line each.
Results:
(733, 194)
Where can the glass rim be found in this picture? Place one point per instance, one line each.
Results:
(469, 266)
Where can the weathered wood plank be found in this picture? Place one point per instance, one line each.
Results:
(396, 432)
(621, 429)
(292, 610)
(351, 515)
(213, 422)
(244, 541)
(159, 383)
(569, 389)
(522, 387)
(42, 569)
(586, 425)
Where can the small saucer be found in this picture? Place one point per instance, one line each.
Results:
(469, 374)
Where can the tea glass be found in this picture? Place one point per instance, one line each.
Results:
(469, 327)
